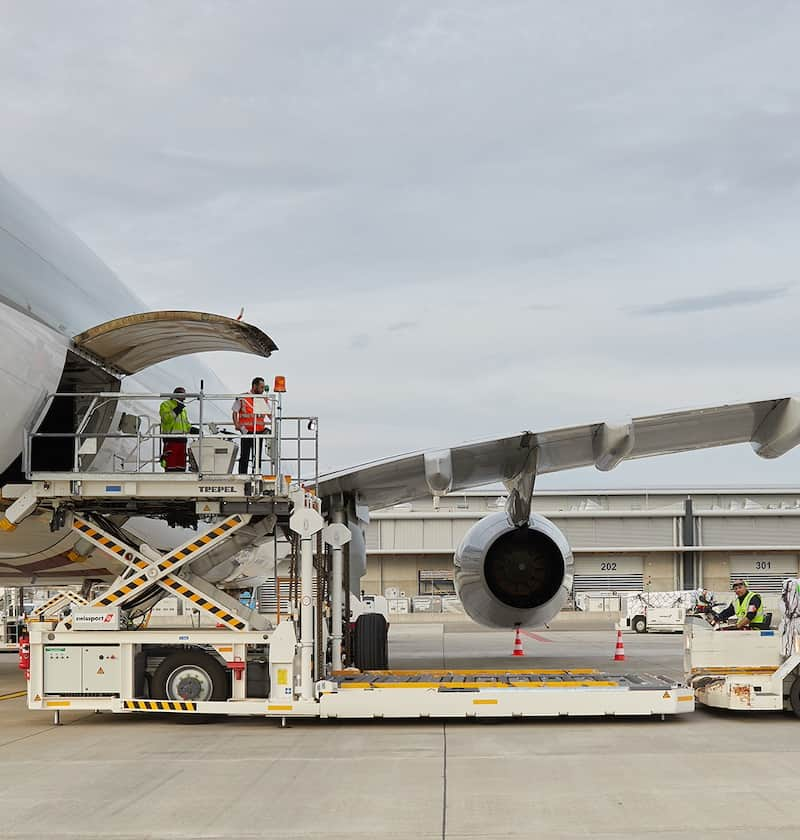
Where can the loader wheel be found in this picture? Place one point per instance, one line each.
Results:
(371, 643)
(794, 695)
(190, 675)
(639, 624)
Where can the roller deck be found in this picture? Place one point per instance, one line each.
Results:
(501, 693)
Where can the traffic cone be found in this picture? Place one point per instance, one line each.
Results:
(619, 653)
(518, 649)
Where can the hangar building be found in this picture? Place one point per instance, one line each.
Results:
(623, 540)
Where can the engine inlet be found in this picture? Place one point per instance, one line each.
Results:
(524, 568)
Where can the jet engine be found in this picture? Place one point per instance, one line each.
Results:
(507, 576)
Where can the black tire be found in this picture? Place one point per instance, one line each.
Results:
(794, 695)
(639, 624)
(371, 643)
(166, 681)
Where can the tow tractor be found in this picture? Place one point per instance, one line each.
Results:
(95, 650)
(656, 612)
(746, 670)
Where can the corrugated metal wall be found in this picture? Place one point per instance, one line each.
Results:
(409, 534)
(751, 530)
(617, 531)
(438, 534)
(445, 533)
(594, 523)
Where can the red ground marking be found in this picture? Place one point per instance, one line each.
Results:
(535, 636)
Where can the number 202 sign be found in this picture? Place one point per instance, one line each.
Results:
(609, 565)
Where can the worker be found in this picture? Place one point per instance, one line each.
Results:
(746, 606)
(174, 421)
(251, 417)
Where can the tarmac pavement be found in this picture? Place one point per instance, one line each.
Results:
(131, 776)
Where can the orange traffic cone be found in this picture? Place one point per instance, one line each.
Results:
(518, 649)
(619, 653)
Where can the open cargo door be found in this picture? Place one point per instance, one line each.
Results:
(131, 344)
(101, 356)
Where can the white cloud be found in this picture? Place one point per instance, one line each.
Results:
(444, 213)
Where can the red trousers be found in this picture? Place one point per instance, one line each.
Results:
(174, 455)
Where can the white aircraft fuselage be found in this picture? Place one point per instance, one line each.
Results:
(53, 287)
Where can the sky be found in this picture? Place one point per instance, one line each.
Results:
(456, 220)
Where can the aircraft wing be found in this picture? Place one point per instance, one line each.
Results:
(772, 427)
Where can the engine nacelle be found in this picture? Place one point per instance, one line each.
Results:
(507, 576)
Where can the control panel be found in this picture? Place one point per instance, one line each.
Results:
(62, 669)
(101, 671)
(71, 669)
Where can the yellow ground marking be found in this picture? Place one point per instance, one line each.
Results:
(765, 669)
(13, 695)
(444, 672)
(455, 686)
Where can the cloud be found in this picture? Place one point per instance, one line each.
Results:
(440, 213)
(545, 307)
(719, 300)
(359, 341)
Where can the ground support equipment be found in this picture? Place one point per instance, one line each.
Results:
(740, 670)
(89, 656)
(491, 693)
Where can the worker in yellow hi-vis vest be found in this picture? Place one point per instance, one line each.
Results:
(174, 421)
(746, 606)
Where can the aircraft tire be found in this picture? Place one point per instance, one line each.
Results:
(371, 643)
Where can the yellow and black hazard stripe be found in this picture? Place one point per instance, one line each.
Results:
(159, 706)
(56, 598)
(47, 604)
(201, 601)
(86, 530)
(126, 589)
(168, 562)
(201, 542)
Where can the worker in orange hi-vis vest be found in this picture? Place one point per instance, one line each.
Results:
(252, 416)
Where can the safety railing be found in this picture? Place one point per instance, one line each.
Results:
(171, 433)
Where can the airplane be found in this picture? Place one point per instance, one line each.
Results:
(68, 323)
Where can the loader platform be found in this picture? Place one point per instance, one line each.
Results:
(500, 693)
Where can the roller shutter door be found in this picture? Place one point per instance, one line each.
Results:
(764, 574)
(608, 574)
